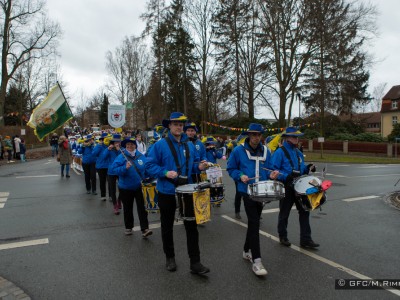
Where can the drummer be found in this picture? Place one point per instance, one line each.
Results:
(191, 131)
(247, 164)
(172, 161)
(290, 163)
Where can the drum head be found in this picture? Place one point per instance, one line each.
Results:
(187, 188)
(305, 182)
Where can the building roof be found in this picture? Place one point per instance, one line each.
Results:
(371, 117)
(393, 94)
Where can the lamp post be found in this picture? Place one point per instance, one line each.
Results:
(299, 98)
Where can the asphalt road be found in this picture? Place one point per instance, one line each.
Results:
(82, 252)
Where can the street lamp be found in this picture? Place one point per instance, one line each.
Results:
(299, 98)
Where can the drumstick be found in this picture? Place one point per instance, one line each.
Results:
(254, 178)
(271, 170)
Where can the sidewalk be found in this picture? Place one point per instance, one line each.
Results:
(9, 291)
(35, 153)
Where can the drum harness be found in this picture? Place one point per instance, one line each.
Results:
(131, 160)
(295, 173)
(178, 166)
(257, 159)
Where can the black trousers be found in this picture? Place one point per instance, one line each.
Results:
(90, 176)
(253, 211)
(285, 206)
(103, 181)
(167, 205)
(112, 187)
(127, 197)
(238, 199)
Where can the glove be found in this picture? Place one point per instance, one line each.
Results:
(311, 167)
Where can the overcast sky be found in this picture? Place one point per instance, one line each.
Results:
(93, 27)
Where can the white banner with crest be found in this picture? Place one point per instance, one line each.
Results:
(116, 115)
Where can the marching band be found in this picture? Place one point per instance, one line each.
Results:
(179, 172)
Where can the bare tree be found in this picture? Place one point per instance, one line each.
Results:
(377, 94)
(27, 34)
(200, 15)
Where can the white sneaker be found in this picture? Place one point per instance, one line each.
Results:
(128, 231)
(247, 255)
(258, 268)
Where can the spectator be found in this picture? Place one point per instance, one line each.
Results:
(141, 146)
(1, 148)
(17, 142)
(65, 155)
(54, 144)
(22, 150)
(8, 148)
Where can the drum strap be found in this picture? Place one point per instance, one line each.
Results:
(175, 155)
(132, 161)
(257, 159)
(289, 158)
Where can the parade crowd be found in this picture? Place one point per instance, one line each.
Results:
(175, 158)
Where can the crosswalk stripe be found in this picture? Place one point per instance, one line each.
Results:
(4, 194)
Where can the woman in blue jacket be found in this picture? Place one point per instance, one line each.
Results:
(211, 153)
(130, 169)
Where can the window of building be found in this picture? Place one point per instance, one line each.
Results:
(394, 104)
(394, 120)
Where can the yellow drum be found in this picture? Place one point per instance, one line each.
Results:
(150, 196)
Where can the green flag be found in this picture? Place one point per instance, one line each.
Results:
(51, 114)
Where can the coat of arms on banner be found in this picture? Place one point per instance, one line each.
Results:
(116, 115)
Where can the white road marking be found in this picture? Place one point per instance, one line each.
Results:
(373, 167)
(313, 255)
(360, 198)
(330, 174)
(48, 163)
(3, 200)
(341, 165)
(2, 205)
(24, 244)
(4, 194)
(156, 225)
(381, 175)
(37, 176)
(273, 210)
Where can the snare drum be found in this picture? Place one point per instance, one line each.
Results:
(266, 191)
(312, 201)
(194, 205)
(150, 196)
(217, 193)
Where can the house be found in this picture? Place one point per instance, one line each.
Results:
(371, 122)
(390, 110)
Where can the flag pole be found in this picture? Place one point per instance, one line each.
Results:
(65, 98)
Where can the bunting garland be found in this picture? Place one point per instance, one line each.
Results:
(266, 129)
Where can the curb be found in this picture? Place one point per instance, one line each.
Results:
(9, 291)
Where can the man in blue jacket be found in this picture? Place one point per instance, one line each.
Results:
(191, 130)
(247, 164)
(172, 161)
(290, 163)
(89, 164)
(101, 165)
(129, 166)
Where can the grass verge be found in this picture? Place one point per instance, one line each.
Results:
(349, 158)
